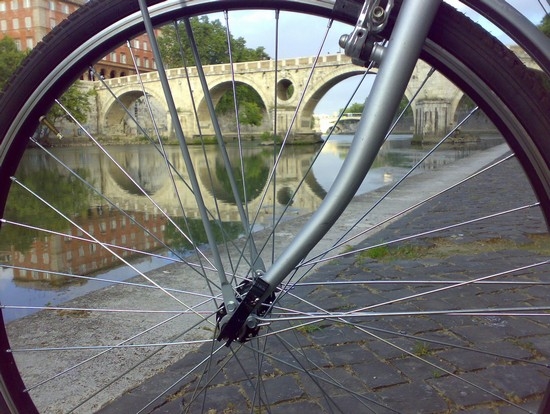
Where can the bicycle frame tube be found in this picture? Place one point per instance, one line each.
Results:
(397, 64)
(407, 38)
(227, 292)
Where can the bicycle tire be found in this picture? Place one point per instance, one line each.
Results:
(511, 96)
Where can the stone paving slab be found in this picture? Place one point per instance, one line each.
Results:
(419, 372)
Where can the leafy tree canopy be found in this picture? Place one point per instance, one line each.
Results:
(77, 103)
(74, 99)
(355, 108)
(71, 196)
(10, 58)
(251, 106)
(545, 25)
(211, 40)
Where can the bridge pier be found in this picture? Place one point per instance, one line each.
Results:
(434, 112)
(433, 120)
(302, 129)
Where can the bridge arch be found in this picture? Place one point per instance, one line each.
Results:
(116, 121)
(433, 110)
(320, 87)
(458, 100)
(219, 88)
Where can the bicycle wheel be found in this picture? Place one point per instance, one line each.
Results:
(439, 318)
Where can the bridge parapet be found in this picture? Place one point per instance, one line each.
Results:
(433, 110)
(240, 67)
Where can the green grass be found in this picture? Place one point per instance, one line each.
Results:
(421, 349)
(442, 248)
(386, 253)
(308, 328)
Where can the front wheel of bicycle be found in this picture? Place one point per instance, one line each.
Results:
(432, 298)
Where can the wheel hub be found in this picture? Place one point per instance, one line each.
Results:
(242, 324)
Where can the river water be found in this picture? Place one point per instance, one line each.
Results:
(23, 250)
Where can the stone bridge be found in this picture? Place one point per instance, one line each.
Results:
(434, 110)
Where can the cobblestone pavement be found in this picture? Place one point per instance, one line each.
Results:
(400, 363)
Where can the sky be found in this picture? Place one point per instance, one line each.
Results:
(300, 38)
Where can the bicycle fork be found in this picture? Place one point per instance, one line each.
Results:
(396, 63)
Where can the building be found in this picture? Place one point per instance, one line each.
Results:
(120, 61)
(75, 253)
(28, 21)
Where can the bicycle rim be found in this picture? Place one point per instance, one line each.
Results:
(364, 331)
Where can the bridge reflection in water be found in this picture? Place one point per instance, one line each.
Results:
(35, 259)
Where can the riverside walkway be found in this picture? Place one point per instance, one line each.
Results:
(398, 376)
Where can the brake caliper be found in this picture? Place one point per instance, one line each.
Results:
(242, 324)
(362, 44)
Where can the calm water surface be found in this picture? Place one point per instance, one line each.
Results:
(28, 249)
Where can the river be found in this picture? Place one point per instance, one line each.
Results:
(23, 250)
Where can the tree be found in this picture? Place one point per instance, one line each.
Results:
(251, 106)
(355, 108)
(402, 105)
(250, 113)
(71, 197)
(545, 25)
(76, 101)
(211, 40)
(10, 58)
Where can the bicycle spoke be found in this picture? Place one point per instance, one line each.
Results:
(432, 284)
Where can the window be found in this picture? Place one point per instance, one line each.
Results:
(136, 44)
(28, 22)
(113, 57)
(65, 9)
(3, 25)
(15, 24)
(17, 43)
(145, 46)
(146, 62)
(52, 5)
(138, 61)
(123, 58)
(26, 4)
(14, 4)
(2, 6)
(30, 42)
(53, 23)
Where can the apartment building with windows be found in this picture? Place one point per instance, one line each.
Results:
(120, 62)
(28, 21)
